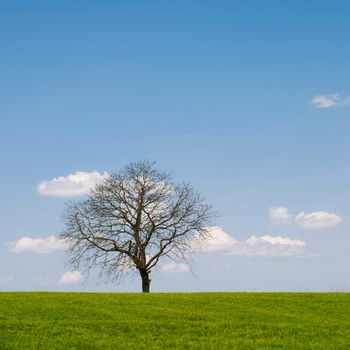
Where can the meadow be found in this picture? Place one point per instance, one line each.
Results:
(174, 321)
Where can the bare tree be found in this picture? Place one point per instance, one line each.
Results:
(133, 219)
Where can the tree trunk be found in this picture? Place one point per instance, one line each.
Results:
(145, 280)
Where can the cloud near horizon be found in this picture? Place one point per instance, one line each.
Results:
(330, 101)
(70, 277)
(38, 245)
(309, 221)
(263, 246)
(72, 185)
(175, 267)
(7, 280)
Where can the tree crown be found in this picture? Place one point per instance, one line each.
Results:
(132, 219)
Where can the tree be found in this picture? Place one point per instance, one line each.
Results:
(133, 219)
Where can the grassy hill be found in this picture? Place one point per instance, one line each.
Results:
(175, 321)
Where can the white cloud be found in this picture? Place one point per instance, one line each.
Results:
(280, 215)
(330, 100)
(267, 246)
(317, 220)
(270, 246)
(70, 277)
(218, 241)
(175, 267)
(7, 280)
(76, 184)
(38, 245)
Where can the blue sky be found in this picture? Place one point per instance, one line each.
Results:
(246, 100)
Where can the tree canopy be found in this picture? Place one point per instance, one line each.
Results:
(133, 219)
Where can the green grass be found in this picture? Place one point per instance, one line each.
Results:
(175, 321)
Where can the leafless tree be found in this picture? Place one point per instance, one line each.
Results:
(132, 219)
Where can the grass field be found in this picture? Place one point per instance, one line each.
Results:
(175, 321)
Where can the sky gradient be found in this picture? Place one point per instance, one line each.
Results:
(246, 100)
